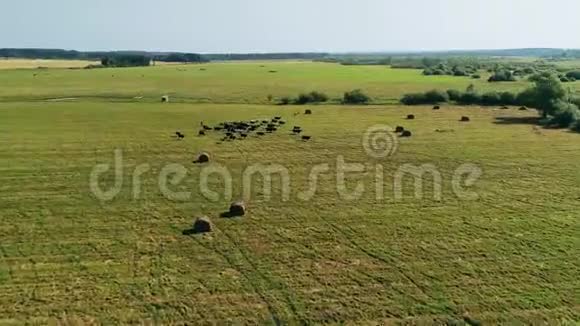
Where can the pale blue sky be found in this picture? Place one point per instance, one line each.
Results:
(284, 25)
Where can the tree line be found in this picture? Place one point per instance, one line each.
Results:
(109, 56)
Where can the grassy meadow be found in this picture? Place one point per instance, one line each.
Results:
(11, 63)
(509, 256)
(231, 82)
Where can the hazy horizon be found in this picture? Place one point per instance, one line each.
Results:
(262, 26)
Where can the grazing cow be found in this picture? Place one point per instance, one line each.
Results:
(410, 117)
(244, 135)
(436, 107)
(406, 133)
(308, 112)
(399, 129)
(306, 138)
(465, 119)
(202, 132)
(260, 133)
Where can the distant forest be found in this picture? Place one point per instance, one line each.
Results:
(369, 58)
(98, 56)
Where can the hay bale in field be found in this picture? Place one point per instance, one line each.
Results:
(202, 225)
(164, 99)
(399, 129)
(203, 158)
(406, 133)
(465, 119)
(411, 117)
(308, 112)
(237, 209)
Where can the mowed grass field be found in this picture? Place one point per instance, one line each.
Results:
(509, 256)
(232, 82)
(11, 63)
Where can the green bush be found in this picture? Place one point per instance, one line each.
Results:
(576, 126)
(356, 96)
(430, 97)
(565, 114)
(508, 98)
(285, 100)
(574, 74)
(312, 97)
(502, 76)
(491, 98)
(454, 95)
(414, 99)
(470, 98)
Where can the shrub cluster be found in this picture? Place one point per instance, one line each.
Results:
(429, 97)
(305, 98)
(443, 69)
(570, 77)
(312, 97)
(356, 96)
(468, 97)
(565, 115)
(502, 75)
(574, 75)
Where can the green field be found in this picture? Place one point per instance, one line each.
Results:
(246, 82)
(509, 256)
(11, 63)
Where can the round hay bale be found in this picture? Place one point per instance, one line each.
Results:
(465, 119)
(164, 99)
(237, 209)
(406, 133)
(308, 112)
(202, 225)
(399, 129)
(411, 117)
(203, 157)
